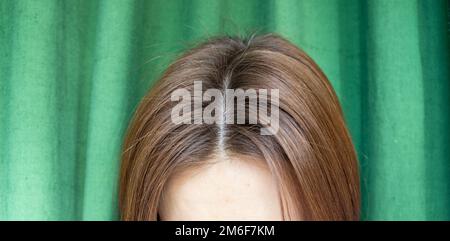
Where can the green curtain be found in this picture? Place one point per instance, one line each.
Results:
(73, 71)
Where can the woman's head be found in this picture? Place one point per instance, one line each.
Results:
(306, 162)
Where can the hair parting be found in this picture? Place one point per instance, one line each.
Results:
(311, 157)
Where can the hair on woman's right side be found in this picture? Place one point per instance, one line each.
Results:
(311, 157)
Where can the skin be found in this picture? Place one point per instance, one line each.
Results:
(227, 188)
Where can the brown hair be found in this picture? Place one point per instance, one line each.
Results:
(311, 156)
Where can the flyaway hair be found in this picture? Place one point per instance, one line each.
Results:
(311, 156)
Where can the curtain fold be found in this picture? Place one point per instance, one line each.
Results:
(72, 73)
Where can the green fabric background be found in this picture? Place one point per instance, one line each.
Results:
(72, 72)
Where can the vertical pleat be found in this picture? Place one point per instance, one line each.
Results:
(163, 31)
(434, 28)
(394, 134)
(30, 125)
(108, 105)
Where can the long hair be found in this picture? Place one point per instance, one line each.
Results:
(311, 156)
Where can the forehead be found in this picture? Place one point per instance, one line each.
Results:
(226, 188)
